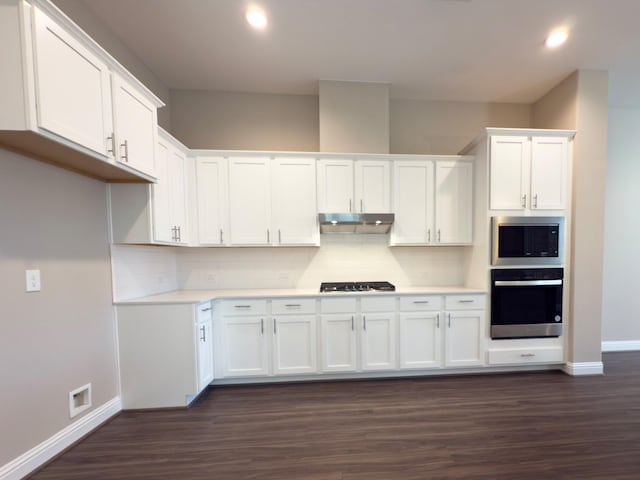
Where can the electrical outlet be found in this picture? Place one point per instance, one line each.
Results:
(33, 280)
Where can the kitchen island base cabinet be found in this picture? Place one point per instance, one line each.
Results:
(166, 356)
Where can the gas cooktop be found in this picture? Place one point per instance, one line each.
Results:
(356, 286)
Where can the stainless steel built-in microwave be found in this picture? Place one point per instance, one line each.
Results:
(527, 241)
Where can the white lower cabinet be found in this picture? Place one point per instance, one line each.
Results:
(294, 344)
(166, 355)
(245, 346)
(420, 340)
(464, 338)
(339, 342)
(378, 341)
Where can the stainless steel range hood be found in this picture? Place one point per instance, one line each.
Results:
(355, 222)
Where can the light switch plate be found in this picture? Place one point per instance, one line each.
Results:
(33, 280)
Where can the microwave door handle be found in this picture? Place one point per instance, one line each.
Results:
(526, 283)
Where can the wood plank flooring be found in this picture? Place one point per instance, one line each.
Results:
(543, 425)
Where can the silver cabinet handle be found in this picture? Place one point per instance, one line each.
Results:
(449, 319)
(352, 323)
(361, 206)
(466, 301)
(429, 235)
(204, 334)
(112, 138)
(179, 234)
(527, 355)
(275, 328)
(125, 157)
(221, 237)
(268, 236)
(279, 236)
(262, 326)
(437, 320)
(174, 234)
(438, 235)
(524, 200)
(535, 201)
(206, 309)
(421, 301)
(293, 305)
(349, 205)
(364, 323)
(242, 306)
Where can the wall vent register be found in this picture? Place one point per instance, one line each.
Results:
(356, 287)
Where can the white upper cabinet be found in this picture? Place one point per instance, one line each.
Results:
(65, 100)
(372, 186)
(73, 87)
(432, 208)
(335, 186)
(135, 127)
(454, 202)
(413, 200)
(250, 201)
(211, 185)
(528, 172)
(354, 186)
(293, 193)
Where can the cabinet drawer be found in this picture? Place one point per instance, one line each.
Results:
(243, 306)
(525, 355)
(465, 302)
(417, 303)
(378, 304)
(293, 305)
(203, 312)
(338, 305)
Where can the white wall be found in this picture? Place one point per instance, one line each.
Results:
(340, 258)
(59, 339)
(620, 317)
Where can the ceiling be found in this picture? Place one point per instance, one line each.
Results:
(464, 50)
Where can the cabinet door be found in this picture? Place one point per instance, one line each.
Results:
(205, 354)
(136, 127)
(549, 170)
(250, 201)
(372, 186)
(178, 194)
(294, 344)
(508, 172)
(245, 346)
(335, 186)
(211, 184)
(73, 88)
(338, 343)
(162, 226)
(378, 341)
(464, 334)
(454, 202)
(412, 202)
(420, 340)
(295, 216)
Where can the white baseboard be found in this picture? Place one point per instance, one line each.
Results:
(583, 368)
(27, 462)
(621, 346)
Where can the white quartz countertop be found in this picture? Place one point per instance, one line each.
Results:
(197, 296)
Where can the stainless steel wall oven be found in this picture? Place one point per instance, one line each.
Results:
(526, 303)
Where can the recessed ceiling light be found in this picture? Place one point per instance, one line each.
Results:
(557, 38)
(256, 18)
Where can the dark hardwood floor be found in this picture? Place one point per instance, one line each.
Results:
(543, 425)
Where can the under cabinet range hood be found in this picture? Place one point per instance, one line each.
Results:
(355, 222)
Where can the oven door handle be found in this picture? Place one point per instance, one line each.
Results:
(525, 283)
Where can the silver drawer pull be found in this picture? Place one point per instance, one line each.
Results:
(293, 305)
(421, 301)
(527, 355)
(242, 306)
(206, 309)
(466, 301)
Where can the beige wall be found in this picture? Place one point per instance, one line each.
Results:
(237, 121)
(87, 20)
(244, 121)
(354, 117)
(61, 338)
(444, 128)
(622, 228)
(580, 102)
